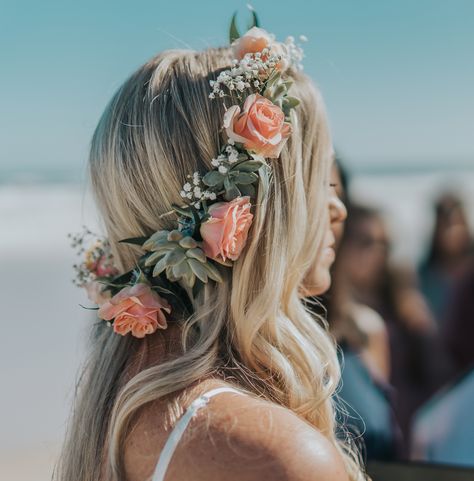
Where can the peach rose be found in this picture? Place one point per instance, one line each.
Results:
(255, 40)
(225, 233)
(136, 309)
(261, 126)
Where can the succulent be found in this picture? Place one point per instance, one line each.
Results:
(180, 256)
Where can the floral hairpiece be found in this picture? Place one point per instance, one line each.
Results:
(214, 220)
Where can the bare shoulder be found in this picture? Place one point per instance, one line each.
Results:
(237, 437)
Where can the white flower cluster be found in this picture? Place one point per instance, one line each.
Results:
(249, 72)
(231, 156)
(196, 190)
(295, 53)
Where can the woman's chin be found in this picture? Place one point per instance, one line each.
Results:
(320, 285)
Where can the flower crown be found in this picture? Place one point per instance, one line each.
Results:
(215, 217)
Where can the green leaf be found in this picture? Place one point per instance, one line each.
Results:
(231, 190)
(162, 246)
(291, 102)
(159, 267)
(138, 241)
(190, 279)
(198, 269)
(248, 166)
(213, 178)
(182, 210)
(188, 243)
(155, 238)
(212, 272)
(245, 178)
(274, 77)
(247, 190)
(181, 269)
(175, 257)
(255, 22)
(196, 254)
(233, 30)
(279, 91)
(153, 259)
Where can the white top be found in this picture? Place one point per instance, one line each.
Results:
(180, 427)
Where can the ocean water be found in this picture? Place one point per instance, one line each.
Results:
(44, 329)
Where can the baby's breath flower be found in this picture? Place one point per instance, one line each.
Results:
(222, 169)
(187, 187)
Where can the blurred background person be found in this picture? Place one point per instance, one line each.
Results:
(450, 251)
(458, 328)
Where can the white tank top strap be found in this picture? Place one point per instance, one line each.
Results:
(178, 430)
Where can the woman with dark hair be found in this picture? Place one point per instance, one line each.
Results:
(449, 253)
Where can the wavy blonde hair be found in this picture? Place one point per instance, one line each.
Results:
(159, 127)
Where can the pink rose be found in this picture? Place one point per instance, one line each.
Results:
(136, 309)
(95, 292)
(105, 267)
(225, 233)
(261, 126)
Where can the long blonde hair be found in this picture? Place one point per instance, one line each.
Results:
(159, 127)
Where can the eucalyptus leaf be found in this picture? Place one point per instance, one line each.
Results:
(245, 178)
(231, 190)
(247, 190)
(213, 178)
(249, 166)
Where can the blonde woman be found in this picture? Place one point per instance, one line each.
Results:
(242, 387)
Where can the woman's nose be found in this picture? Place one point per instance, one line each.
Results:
(337, 209)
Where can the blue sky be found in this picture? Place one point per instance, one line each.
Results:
(397, 76)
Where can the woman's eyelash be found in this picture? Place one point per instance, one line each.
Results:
(332, 185)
